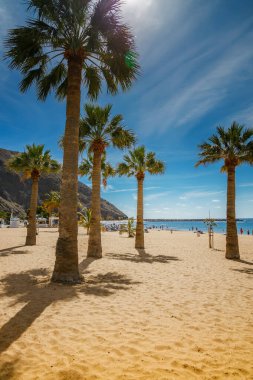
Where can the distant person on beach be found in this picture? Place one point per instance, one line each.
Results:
(248, 232)
(241, 230)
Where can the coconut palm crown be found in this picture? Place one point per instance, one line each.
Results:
(86, 166)
(65, 46)
(234, 147)
(98, 131)
(89, 32)
(32, 164)
(136, 163)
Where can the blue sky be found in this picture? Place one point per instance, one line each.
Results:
(197, 73)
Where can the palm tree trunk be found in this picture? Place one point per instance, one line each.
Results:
(139, 239)
(31, 228)
(232, 247)
(94, 244)
(66, 264)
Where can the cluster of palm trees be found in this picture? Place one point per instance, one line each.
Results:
(97, 132)
(70, 45)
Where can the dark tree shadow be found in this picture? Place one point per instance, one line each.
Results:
(33, 288)
(83, 265)
(8, 369)
(11, 251)
(244, 262)
(142, 257)
(104, 285)
(244, 270)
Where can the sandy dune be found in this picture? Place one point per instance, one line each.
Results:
(177, 311)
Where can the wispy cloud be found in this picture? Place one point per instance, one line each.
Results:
(201, 194)
(246, 184)
(152, 197)
(133, 189)
(190, 94)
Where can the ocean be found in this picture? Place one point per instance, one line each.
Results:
(182, 225)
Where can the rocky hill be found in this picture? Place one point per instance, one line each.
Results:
(15, 193)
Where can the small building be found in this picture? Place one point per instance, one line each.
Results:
(41, 223)
(14, 222)
(53, 221)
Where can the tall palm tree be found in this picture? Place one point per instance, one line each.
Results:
(86, 166)
(32, 164)
(98, 132)
(137, 163)
(68, 44)
(52, 202)
(234, 147)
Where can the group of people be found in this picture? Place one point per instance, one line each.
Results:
(247, 232)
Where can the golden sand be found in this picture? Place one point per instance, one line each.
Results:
(177, 311)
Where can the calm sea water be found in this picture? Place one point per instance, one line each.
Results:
(245, 224)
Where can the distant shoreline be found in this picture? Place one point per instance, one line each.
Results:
(191, 220)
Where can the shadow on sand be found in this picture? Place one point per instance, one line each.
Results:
(142, 257)
(244, 262)
(34, 288)
(12, 251)
(218, 250)
(8, 369)
(104, 285)
(244, 270)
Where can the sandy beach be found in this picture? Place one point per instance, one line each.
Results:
(177, 311)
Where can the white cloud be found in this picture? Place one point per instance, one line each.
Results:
(6, 19)
(181, 204)
(246, 184)
(215, 200)
(245, 115)
(192, 93)
(133, 189)
(201, 194)
(156, 195)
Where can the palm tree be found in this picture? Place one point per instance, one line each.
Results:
(85, 219)
(86, 166)
(32, 164)
(52, 202)
(137, 163)
(65, 45)
(234, 147)
(98, 131)
(128, 228)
